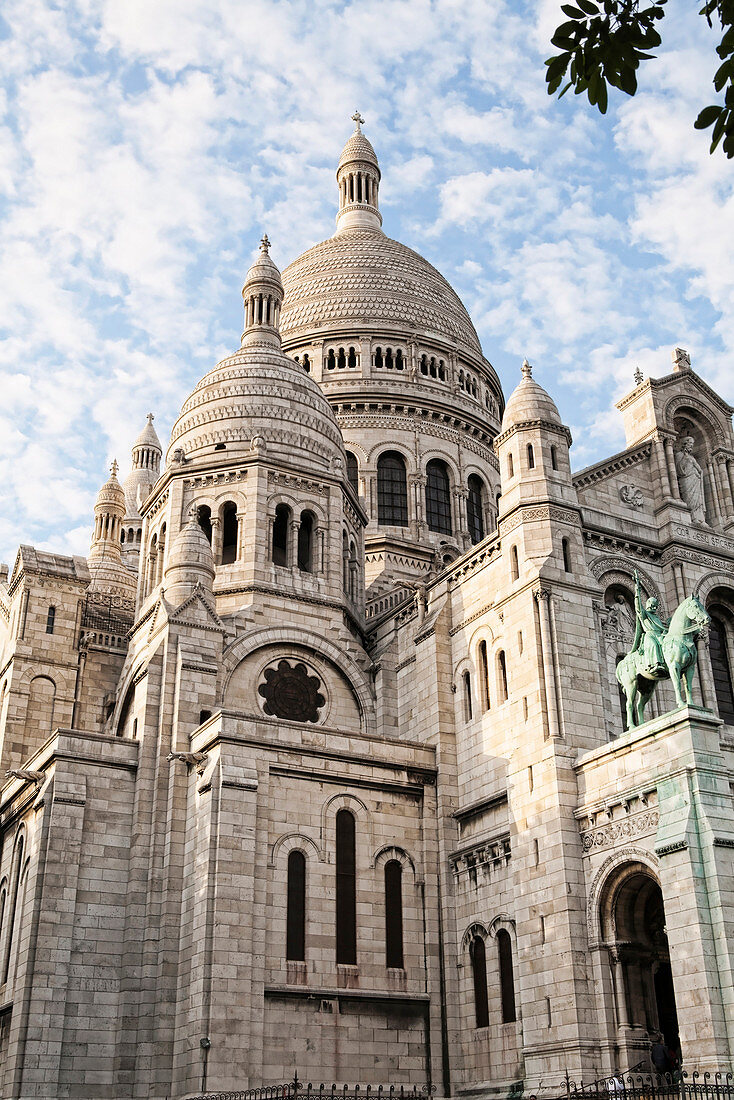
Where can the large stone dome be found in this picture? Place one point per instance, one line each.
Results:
(369, 281)
(258, 399)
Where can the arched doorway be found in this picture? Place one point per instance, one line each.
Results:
(633, 928)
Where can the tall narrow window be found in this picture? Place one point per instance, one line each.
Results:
(346, 890)
(229, 533)
(566, 551)
(50, 619)
(295, 946)
(352, 471)
(475, 508)
(280, 534)
(394, 913)
(467, 697)
(502, 676)
(554, 457)
(13, 911)
(531, 457)
(514, 564)
(478, 957)
(392, 490)
(484, 668)
(305, 543)
(205, 520)
(507, 980)
(721, 668)
(510, 466)
(438, 497)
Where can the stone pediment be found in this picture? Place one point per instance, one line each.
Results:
(197, 611)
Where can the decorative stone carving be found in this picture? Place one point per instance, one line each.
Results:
(604, 835)
(291, 693)
(631, 496)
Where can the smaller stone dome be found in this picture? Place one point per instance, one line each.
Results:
(148, 437)
(108, 573)
(111, 497)
(189, 561)
(529, 401)
(358, 148)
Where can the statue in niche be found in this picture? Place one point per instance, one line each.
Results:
(661, 650)
(690, 480)
(620, 617)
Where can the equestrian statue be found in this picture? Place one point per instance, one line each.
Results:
(661, 650)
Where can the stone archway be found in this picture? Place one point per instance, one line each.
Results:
(633, 928)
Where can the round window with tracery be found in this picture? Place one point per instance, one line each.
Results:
(291, 692)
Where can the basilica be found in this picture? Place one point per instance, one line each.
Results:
(319, 762)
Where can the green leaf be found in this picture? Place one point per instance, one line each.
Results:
(588, 7)
(602, 98)
(707, 116)
(569, 10)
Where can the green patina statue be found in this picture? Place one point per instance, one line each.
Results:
(660, 650)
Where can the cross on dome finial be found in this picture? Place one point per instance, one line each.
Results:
(151, 418)
(527, 370)
(358, 122)
(265, 244)
(114, 467)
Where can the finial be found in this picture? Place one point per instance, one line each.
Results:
(151, 418)
(114, 467)
(192, 513)
(638, 375)
(527, 370)
(681, 359)
(265, 244)
(358, 122)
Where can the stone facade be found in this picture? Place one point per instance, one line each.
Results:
(319, 762)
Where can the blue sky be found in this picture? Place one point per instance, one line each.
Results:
(144, 148)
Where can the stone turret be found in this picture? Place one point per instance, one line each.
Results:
(108, 573)
(190, 562)
(146, 468)
(263, 297)
(358, 177)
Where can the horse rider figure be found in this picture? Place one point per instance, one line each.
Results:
(649, 633)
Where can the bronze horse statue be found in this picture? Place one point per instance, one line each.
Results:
(679, 652)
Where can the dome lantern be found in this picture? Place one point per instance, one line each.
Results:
(263, 297)
(358, 177)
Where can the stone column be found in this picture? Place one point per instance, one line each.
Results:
(317, 363)
(418, 519)
(725, 495)
(292, 552)
(216, 539)
(317, 550)
(542, 598)
(672, 473)
(240, 533)
(730, 475)
(713, 491)
(706, 674)
(460, 496)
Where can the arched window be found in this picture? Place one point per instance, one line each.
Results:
(394, 914)
(305, 542)
(388, 359)
(514, 564)
(531, 457)
(392, 490)
(295, 941)
(484, 668)
(41, 703)
(510, 466)
(507, 981)
(566, 551)
(438, 497)
(342, 359)
(554, 457)
(478, 956)
(378, 357)
(720, 666)
(330, 359)
(353, 571)
(352, 358)
(399, 361)
(13, 911)
(281, 523)
(204, 516)
(229, 533)
(50, 619)
(467, 697)
(346, 890)
(352, 471)
(475, 508)
(502, 676)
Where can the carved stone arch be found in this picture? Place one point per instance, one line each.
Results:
(483, 633)
(450, 464)
(291, 842)
(59, 679)
(502, 920)
(706, 585)
(279, 497)
(204, 499)
(237, 498)
(391, 851)
(128, 681)
(331, 808)
(474, 930)
(614, 863)
(394, 445)
(292, 636)
(316, 511)
(360, 451)
(711, 425)
(615, 569)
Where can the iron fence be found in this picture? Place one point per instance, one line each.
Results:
(681, 1085)
(296, 1090)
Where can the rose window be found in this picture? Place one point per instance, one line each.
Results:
(291, 692)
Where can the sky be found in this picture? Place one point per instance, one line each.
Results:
(145, 147)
